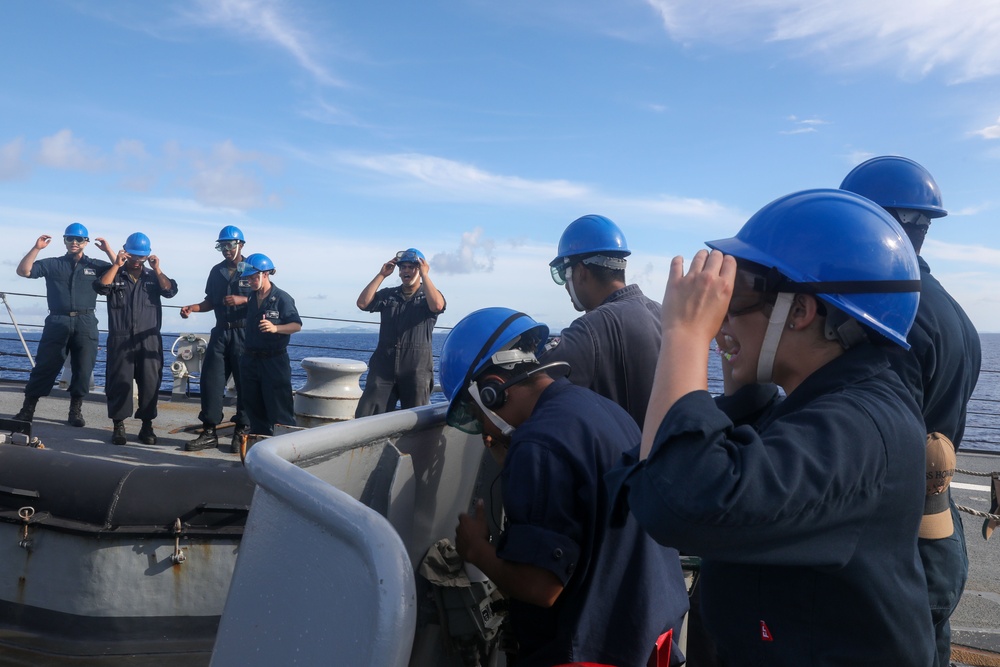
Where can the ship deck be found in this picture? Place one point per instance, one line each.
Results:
(975, 624)
(177, 422)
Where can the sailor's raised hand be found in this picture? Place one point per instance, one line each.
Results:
(388, 268)
(696, 301)
(43, 242)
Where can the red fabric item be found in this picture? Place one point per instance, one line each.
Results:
(659, 658)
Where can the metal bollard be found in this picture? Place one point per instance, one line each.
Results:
(331, 392)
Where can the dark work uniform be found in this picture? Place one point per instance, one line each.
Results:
(135, 346)
(622, 590)
(225, 347)
(613, 349)
(806, 521)
(941, 370)
(266, 379)
(402, 366)
(71, 326)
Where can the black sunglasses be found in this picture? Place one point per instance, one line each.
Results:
(75, 239)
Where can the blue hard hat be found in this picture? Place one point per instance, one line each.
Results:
(835, 236)
(409, 256)
(76, 229)
(137, 244)
(231, 233)
(255, 263)
(591, 235)
(472, 343)
(896, 182)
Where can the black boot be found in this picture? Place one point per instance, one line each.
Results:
(206, 440)
(27, 412)
(118, 437)
(146, 435)
(239, 433)
(76, 411)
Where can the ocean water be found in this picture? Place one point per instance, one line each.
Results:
(982, 424)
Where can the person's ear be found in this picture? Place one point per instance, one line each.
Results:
(804, 311)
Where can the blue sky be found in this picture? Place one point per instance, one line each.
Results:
(335, 134)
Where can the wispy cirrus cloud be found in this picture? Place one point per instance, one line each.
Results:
(431, 177)
(415, 172)
(803, 125)
(271, 22)
(956, 37)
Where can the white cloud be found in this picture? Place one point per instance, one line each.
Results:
(322, 111)
(12, 162)
(268, 21)
(63, 151)
(804, 125)
(958, 37)
(856, 157)
(131, 149)
(990, 131)
(225, 179)
(967, 254)
(474, 255)
(431, 177)
(457, 180)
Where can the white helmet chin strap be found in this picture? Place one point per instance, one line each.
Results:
(572, 292)
(497, 420)
(775, 327)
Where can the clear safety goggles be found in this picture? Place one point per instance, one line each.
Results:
(136, 258)
(75, 239)
(562, 273)
(243, 267)
(750, 294)
(223, 246)
(407, 257)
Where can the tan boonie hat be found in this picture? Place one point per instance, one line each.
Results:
(937, 523)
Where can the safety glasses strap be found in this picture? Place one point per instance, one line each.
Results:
(775, 327)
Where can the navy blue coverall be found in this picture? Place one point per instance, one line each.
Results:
(941, 370)
(225, 347)
(266, 379)
(135, 346)
(622, 590)
(613, 349)
(70, 327)
(805, 517)
(402, 365)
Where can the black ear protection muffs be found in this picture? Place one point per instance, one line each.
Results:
(493, 391)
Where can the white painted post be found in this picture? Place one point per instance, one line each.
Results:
(331, 392)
